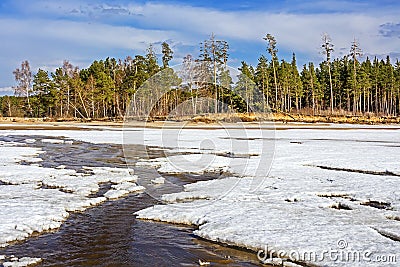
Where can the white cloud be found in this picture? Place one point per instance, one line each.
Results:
(82, 33)
(46, 43)
(293, 31)
(96, 30)
(191, 24)
(6, 91)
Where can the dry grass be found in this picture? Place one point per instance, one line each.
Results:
(351, 119)
(229, 117)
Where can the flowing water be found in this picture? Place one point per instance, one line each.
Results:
(109, 234)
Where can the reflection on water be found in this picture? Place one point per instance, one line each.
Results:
(110, 235)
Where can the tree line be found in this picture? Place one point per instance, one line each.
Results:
(346, 85)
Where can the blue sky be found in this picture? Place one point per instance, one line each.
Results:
(46, 32)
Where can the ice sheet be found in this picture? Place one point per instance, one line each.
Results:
(295, 209)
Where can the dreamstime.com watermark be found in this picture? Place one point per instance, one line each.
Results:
(341, 253)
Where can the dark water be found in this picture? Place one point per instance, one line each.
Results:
(109, 234)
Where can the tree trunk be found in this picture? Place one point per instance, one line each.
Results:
(275, 83)
(330, 85)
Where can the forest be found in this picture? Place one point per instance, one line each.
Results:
(351, 84)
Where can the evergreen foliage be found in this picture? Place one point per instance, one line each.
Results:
(346, 85)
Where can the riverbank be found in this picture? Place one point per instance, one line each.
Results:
(28, 124)
(211, 119)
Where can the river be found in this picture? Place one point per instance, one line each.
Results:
(109, 234)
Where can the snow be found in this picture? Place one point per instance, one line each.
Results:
(53, 141)
(22, 262)
(61, 167)
(292, 209)
(123, 189)
(287, 204)
(191, 163)
(158, 180)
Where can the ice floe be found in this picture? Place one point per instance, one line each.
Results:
(19, 262)
(122, 189)
(158, 180)
(53, 141)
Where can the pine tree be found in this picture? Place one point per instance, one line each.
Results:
(167, 54)
(397, 86)
(106, 88)
(136, 73)
(327, 47)
(312, 88)
(375, 76)
(213, 60)
(262, 81)
(81, 99)
(245, 85)
(41, 91)
(151, 61)
(284, 83)
(59, 81)
(274, 59)
(296, 83)
(342, 83)
(355, 52)
(364, 80)
(389, 85)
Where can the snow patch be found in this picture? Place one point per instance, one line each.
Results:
(158, 180)
(21, 262)
(123, 189)
(53, 141)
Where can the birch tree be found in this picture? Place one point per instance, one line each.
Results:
(23, 77)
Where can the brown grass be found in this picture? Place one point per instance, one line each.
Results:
(350, 119)
(226, 117)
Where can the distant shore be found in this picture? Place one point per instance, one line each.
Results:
(211, 121)
(223, 117)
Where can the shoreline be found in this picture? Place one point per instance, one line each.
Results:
(263, 125)
(208, 121)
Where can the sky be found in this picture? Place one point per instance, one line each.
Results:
(46, 32)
